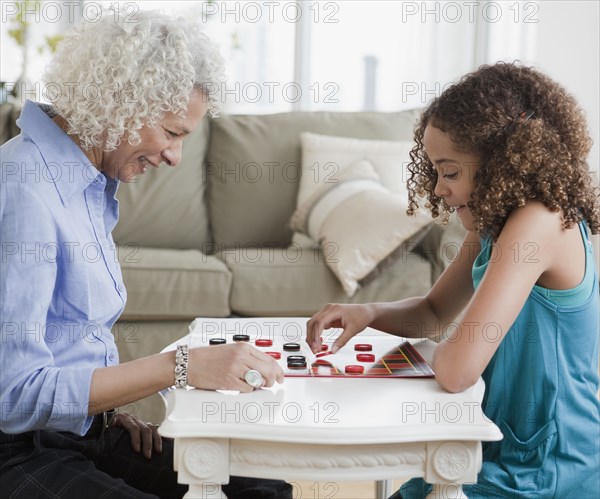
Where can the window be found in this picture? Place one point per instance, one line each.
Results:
(382, 56)
(284, 55)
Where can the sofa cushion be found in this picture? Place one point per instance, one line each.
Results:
(296, 281)
(253, 167)
(165, 207)
(173, 284)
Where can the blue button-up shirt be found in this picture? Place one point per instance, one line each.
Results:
(61, 288)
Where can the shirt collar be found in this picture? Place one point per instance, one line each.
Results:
(65, 162)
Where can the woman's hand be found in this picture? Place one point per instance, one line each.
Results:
(144, 436)
(222, 367)
(351, 318)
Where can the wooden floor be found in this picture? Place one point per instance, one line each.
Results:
(338, 490)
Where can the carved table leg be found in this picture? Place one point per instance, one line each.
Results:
(203, 463)
(450, 464)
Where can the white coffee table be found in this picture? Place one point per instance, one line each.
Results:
(326, 429)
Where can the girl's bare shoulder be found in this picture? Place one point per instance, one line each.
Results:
(534, 221)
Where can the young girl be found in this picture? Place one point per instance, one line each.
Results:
(505, 148)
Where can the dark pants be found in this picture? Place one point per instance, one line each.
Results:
(53, 465)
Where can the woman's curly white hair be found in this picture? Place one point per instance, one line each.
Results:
(111, 77)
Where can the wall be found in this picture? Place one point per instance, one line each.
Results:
(568, 48)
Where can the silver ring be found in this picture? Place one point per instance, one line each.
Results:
(254, 378)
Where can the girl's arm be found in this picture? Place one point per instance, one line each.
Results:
(429, 315)
(510, 276)
(418, 317)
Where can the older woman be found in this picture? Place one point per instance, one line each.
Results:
(125, 93)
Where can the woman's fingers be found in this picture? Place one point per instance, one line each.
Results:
(143, 436)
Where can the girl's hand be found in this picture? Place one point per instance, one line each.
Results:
(351, 318)
(144, 436)
(222, 367)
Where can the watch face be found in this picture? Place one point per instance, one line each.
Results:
(254, 378)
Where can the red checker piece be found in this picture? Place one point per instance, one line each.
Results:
(275, 355)
(352, 369)
(363, 347)
(324, 348)
(264, 343)
(365, 357)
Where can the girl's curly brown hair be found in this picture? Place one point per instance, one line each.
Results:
(543, 157)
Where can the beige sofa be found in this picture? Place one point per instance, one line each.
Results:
(211, 238)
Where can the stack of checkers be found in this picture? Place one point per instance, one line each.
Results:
(294, 361)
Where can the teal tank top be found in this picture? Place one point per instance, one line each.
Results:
(542, 392)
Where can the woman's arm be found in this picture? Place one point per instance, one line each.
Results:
(216, 367)
(28, 383)
(509, 278)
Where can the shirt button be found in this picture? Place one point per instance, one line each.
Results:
(121, 288)
(111, 357)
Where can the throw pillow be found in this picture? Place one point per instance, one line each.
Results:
(325, 157)
(358, 222)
